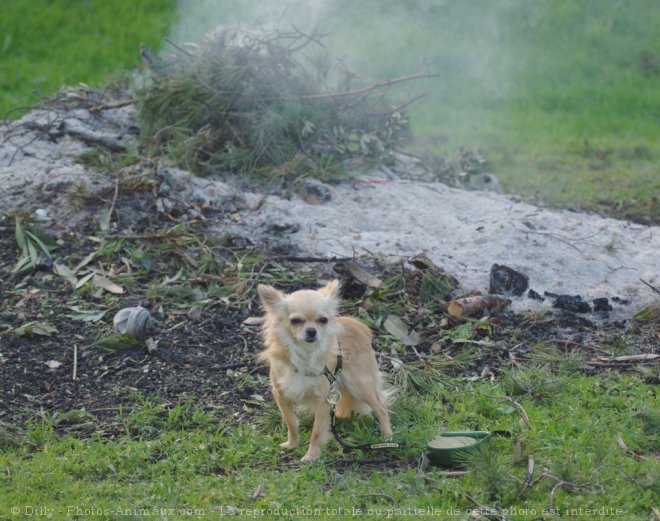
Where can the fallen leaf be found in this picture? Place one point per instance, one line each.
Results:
(253, 321)
(362, 275)
(104, 220)
(169, 280)
(399, 330)
(84, 262)
(35, 328)
(84, 280)
(66, 273)
(107, 284)
(86, 315)
(195, 313)
(258, 492)
(517, 451)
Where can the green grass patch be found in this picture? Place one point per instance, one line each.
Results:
(45, 45)
(187, 459)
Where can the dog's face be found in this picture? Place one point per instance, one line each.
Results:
(306, 317)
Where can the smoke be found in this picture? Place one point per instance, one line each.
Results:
(380, 39)
(198, 17)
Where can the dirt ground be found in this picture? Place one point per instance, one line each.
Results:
(209, 358)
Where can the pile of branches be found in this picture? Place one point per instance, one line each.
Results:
(265, 103)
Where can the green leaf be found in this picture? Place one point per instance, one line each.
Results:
(41, 244)
(84, 280)
(399, 330)
(35, 328)
(104, 221)
(32, 252)
(66, 273)
(20, 236)
(23, 264)
(86, 315)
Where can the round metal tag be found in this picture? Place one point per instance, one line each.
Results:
(333, 397)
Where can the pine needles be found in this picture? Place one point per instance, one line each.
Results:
(250, 104)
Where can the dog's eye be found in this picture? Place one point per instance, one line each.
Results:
(323, 320)
(296, 321)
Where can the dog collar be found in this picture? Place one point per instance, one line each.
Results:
(332, 377)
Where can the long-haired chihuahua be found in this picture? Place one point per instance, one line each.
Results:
(303, 336)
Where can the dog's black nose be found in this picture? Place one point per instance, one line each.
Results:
(310, 334)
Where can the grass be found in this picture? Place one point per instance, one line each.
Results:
(187, 459)
(45, 45)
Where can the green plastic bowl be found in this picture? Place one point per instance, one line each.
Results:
(451, 448)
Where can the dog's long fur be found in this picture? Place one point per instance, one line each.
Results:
(302, 335)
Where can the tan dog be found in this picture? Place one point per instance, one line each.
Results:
(303, 335)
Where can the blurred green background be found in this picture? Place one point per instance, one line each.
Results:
(561, 96)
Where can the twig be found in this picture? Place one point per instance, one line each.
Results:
(525, 416)
(114, 200)
(74, 376)
(116, 105)
(177, 46)
(625, 474)
(88, 137)
(313, 259)
(410, 102)
(493, 512)
(624, 447)
(364, 90)
(558, 237)
(650, 286)
(310, 38)
(559, 485)
(453, 473)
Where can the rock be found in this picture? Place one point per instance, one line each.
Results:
(132, 321)
(485, 181)
(534, 295)
(505, 280)
(313, 191)
(602, 304)
(572, 303)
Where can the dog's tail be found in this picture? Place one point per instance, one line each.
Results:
(388, 390)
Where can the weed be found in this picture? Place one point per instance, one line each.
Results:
(31, 244)
(650, 421)
(535, 381)
(566, 362)
(428, 375)
(488, 468)
(118, 341)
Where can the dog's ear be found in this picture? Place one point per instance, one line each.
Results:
(270, 297)
(331, 289)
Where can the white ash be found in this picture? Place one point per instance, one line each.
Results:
(465, 232)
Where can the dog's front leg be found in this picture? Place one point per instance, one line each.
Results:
(288, 411)
(320, 432)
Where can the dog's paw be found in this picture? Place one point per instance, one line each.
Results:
(309, 457)
(289, 445)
